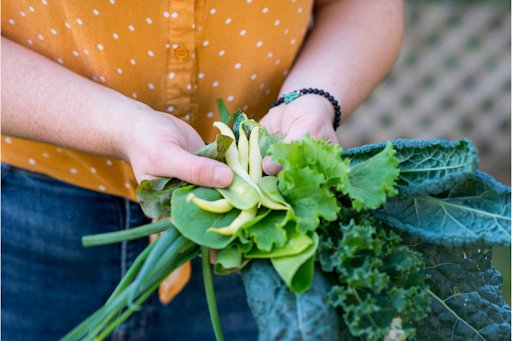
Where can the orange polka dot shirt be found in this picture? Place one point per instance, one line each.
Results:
(175, 56)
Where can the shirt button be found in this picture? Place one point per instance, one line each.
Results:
(181, 52)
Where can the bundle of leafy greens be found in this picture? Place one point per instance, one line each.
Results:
(334, 247)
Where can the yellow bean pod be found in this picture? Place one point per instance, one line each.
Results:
(236, 224)
(217, 206)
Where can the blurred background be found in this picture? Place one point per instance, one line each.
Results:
(452, 80)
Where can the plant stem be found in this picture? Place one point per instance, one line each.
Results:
(190, 254)
(210, 294)
(130, 234)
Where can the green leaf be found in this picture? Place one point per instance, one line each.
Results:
(378, 282)
(229, 258)
(297, 270)
(295, 244)
(466, 294)
(268, 185)
(303, 189)
(217, 149)
(238, 117)
(266, 140)
(268, 231)
(286, 316)
(193, 223)
(426, 167)
(154, 196)
(225, 117)
(476, 210)
(371, 181)
(319, 155)
(240, 194)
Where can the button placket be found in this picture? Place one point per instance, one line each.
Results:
(179, 62)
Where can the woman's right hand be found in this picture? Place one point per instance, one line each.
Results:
(158, 144)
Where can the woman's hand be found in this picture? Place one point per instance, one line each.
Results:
(158, 144)
(311, 114)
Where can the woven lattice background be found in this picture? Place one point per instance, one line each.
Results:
(452, 80)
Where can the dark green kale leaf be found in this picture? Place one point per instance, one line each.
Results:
(378, 284)
(465, 291)
(426, 167)
(476, 210)
(283, 315)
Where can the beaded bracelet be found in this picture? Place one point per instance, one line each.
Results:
(291, 96)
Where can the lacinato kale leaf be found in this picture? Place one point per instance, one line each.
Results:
(465, 291)
(283, 315)
(426, 167)
(476, 210)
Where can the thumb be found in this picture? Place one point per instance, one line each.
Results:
(195, 169)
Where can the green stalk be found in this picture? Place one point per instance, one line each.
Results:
(130, 234)
(130, 274)
(123, 317)
(163, 243)
(181, 251)
(210, 293)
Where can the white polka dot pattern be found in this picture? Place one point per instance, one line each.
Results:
(169, 55)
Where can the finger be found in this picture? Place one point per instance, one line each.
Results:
(270, 167)
(194, 169)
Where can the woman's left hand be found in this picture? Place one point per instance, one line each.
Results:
(310, 113)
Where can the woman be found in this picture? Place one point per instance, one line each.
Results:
(98, 96)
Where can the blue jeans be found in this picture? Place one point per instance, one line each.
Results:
(50, 282)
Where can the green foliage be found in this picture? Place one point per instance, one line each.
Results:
(225, 117)
(476, 210)
(377, 280)
(372, 181)
(193, 222)
(426, 167)
(465, 293)
(284, 315)
(154, 196)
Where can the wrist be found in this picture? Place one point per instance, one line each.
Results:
(121, 126)
(331, 104)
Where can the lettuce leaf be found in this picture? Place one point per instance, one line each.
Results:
(371, 181)
(304, 190)
(318, 155)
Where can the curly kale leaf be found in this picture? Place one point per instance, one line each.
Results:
(476, 210)
(378, 281)
(283, 315)
(426, 167)
(465, 291)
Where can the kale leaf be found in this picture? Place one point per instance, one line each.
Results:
(426, 167)
(283, 315)
(465, 291)
(476, 210)
(377, 282)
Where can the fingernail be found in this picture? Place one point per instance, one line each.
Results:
(222, 176)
